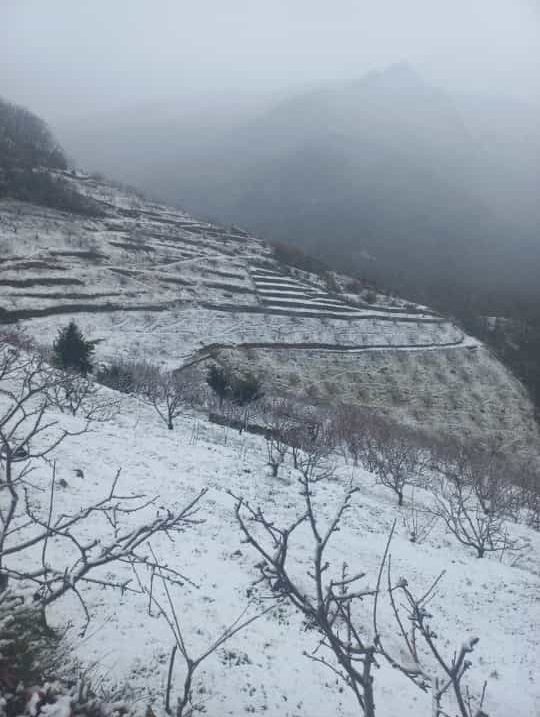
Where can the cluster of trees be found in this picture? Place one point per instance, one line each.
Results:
(27, 150)
(26, 141)
(239, 389)
(333, 597)
(476, 490)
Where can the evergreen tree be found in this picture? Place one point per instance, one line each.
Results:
(219, 381)
(240, 389)
(246, 389)
(72, 352)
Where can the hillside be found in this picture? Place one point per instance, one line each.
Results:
(149, 282)
(125, 647)
(320, 516)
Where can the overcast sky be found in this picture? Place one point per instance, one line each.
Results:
(67, 57)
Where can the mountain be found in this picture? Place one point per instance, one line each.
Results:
(439, 190)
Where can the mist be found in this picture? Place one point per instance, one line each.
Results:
(406, 132)
(66, 59)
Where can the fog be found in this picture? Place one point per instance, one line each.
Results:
(403, 130)
(66, 59)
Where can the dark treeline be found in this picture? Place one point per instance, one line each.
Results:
(27, 150)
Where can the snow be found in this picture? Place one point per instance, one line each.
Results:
(412, 366)
(60, 708)
(153, 299)
(263, 669)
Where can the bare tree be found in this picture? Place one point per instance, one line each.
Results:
(528, 483)
(327, 606)
(279, 420)
(398, 462)
(475, 497)
(331, 604)
(276, 448)
(314, 460)
(78, 395)
(418, 522)
(313, 441)
(166, 608)
(26, 430)
(30, 521)
(169, 394)
(419, 656)
(351, 426)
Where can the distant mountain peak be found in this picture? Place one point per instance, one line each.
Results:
(396, 77)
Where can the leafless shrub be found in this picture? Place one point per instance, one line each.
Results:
(167, 610)
(125, 375)
(14, 337)
(418, 522)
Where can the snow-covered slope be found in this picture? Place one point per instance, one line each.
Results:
(263, 670)
(149, 282)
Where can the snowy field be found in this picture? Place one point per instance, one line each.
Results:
(262, 670)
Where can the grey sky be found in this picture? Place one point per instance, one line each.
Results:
(67, 57)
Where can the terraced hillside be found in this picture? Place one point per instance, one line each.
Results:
(147, 281)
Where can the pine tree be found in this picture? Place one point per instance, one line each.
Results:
(72, 352)
(219, 381)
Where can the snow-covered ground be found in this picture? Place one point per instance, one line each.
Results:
(149, 282)
(262, 670)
